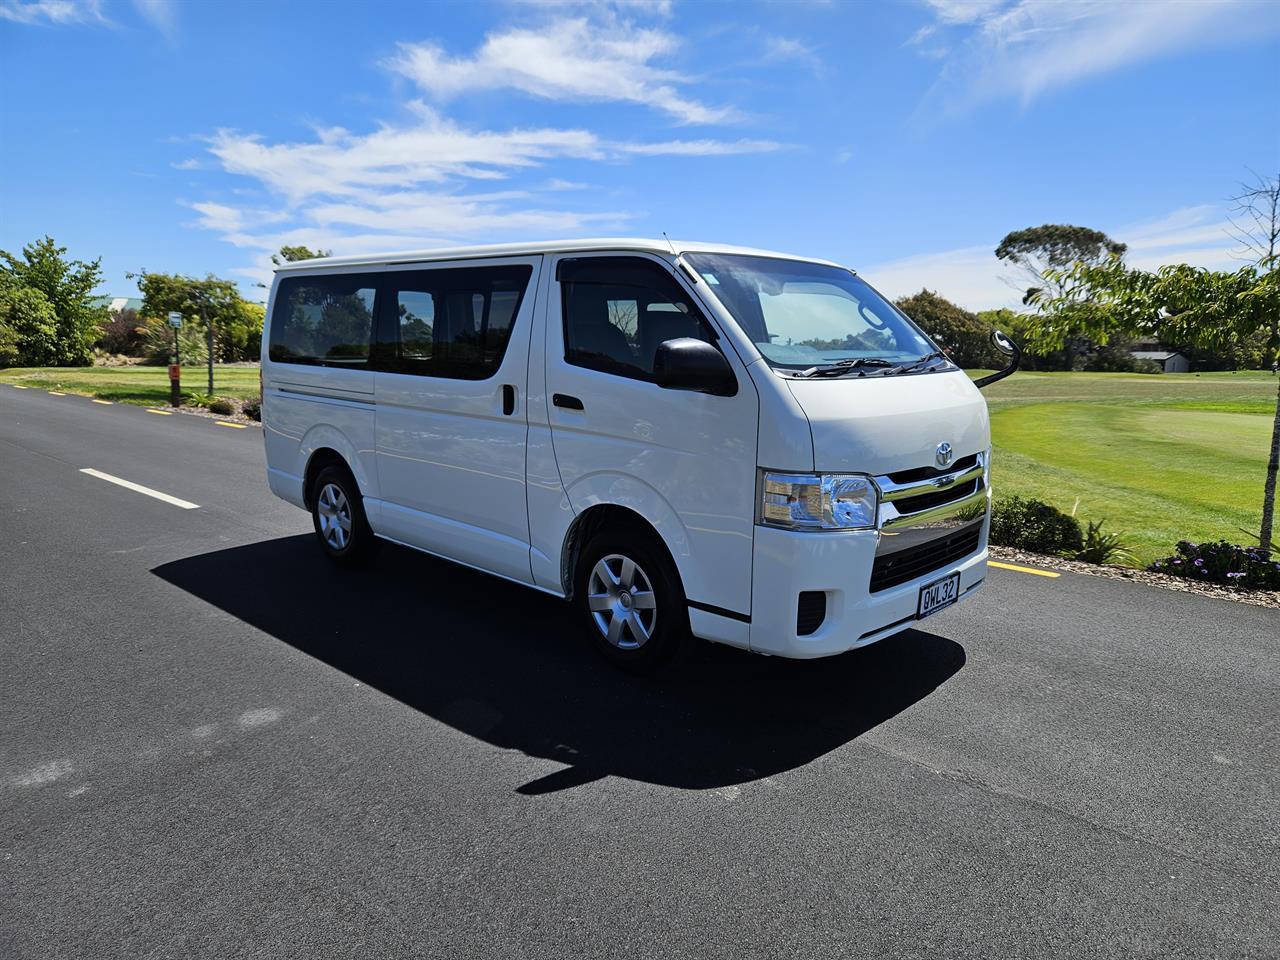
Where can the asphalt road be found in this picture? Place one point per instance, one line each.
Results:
(212, 744)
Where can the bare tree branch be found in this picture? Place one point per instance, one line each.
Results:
(1258, 202)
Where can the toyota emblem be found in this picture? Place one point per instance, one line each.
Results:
(944, 454)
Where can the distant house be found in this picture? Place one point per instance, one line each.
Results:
(1171, 361)
(116, 304)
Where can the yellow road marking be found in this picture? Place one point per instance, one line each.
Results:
(105, 403)
(228, 423)
(1011, 566)
(55, 393)
(160, 413)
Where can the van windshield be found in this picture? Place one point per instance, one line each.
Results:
(805, 315)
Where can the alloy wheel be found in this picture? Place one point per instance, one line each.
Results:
(335, 516)
(622, 602)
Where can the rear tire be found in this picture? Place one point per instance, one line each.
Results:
(337, 513)
(630, 601)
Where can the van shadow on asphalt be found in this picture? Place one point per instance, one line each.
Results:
(507, 665)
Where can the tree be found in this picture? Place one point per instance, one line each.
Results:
(242, 332)
(965, 338)
(1018, 327)
(210, 303)
(289, 254)
(8, 345)
(1177, 304)
(1040, 252)
(1255, 220)
(122, 333)
(67, 286)
(28, 325)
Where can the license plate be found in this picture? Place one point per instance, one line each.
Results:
(941, 593)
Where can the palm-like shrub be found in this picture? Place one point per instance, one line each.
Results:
(1102, 547)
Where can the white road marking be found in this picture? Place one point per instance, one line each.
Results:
(105, 403)
(138, 488)
(45, 773)
(260, 717)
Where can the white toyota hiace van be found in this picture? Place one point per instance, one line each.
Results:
(751, 447)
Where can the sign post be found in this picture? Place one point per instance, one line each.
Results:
(175, 368)
(209, 328)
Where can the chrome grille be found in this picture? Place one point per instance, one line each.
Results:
(929, 519)
(913, 498)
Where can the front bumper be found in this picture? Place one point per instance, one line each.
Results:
(840, 565)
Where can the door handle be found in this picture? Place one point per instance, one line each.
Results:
(508, 399)
(566, 401)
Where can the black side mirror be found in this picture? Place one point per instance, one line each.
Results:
(1010, 350)
(689, 364)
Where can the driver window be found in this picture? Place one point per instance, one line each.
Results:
(617, 310)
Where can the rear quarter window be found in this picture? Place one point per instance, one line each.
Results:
(323, 320)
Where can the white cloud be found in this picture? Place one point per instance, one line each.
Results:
(964, 11)
(52, 11)
(699, 148)
(219, 217)
(576, 59)
(780, 49)
(455, 215)
(433, 150)
(975, 279)
(1196, 235)
(1025, 48)
(969, 276)
(406, 185)
(191, 163)
(159, 13)
(428, 180)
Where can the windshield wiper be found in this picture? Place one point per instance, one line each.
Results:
(844, 366)
(936, 355)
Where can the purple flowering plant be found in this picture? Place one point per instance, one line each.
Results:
(1246, 568)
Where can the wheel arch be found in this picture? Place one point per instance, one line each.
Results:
(320, 458)
(599, 517)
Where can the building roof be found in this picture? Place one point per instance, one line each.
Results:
(1161, 355)
(116, 304)
(662, 247)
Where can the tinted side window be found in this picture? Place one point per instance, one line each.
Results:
(452, 323)
(323, 320)
(618, 309)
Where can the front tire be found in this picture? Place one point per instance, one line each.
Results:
(337, 513)
(630, 601)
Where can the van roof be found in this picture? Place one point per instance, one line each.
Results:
(544, 246)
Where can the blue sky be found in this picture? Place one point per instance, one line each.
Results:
(901, 138)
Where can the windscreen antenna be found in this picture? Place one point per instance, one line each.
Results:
(670, 244)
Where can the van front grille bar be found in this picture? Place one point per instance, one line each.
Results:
(927, 498)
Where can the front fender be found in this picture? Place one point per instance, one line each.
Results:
(623, 491)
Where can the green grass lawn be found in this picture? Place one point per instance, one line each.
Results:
(1160, 457)
(145, 386)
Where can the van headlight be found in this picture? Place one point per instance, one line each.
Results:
(828, 501)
